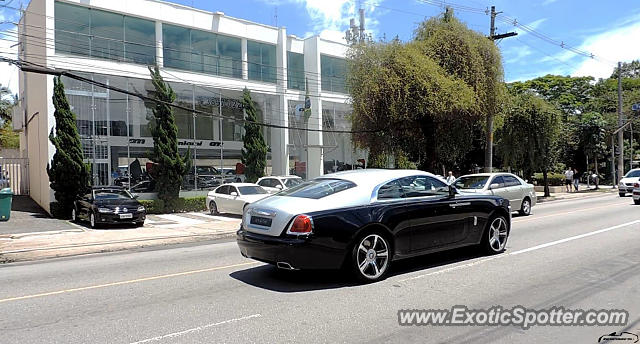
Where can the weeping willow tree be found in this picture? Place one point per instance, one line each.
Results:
(429, 98)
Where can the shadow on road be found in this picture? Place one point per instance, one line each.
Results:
(271, 278)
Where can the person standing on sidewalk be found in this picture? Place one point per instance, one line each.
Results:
(576, 179)
(568, 178)
(450, 178)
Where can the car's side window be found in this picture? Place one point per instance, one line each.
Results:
(391, 190)
(223, 190)
(233, 189)
(264, 182)
(421, 186)
(498, 180)
(511, 181)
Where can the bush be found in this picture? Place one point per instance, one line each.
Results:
(555, 179)
(179, 205)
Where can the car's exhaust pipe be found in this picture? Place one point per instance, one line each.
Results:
(285, 266)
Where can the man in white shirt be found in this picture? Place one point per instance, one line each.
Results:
(450, 178)
(568, 178)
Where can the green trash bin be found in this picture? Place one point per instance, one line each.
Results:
(6, 195)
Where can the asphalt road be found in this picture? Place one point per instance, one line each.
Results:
(576, 254)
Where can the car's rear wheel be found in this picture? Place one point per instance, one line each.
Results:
(496, 235)
(74, 216)
(636, 201)
(213, 208)
(92, 220)
(525, 208)
(371, 255)
(622, 194)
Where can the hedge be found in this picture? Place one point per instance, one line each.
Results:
(555, 179)
(180, 205)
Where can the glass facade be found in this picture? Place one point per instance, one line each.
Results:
(115, 127)
(201, 51)
(100, 34)
(339, 152)
(333, 71)
(295, 71)
(261, 59)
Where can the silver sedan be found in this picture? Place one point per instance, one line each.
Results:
(520, 194)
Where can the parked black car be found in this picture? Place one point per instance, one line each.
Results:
(108, 205)
(366, 219)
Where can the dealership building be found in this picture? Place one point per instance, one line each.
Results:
(208, 58)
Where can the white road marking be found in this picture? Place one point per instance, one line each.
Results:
(196, 329)
(181, 219)
(533, 248)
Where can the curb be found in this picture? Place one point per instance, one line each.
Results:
(554, 199)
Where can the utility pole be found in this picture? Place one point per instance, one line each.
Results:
(488, 153)
(620, 123)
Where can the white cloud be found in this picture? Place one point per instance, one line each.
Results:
(534, 25)
(517, 54)
(620, 44)
(548, 2)
(9, 72)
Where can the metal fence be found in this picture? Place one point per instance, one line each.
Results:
(14, 173)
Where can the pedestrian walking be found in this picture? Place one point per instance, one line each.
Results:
(576, 179)
(568, 178)
(450, 178)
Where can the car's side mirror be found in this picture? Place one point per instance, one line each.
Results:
(452, 191)
(279, 186)
(234, 194)
(494, 186)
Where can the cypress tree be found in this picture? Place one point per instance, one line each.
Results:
(170, 166)
(254, 152)
(69, 176)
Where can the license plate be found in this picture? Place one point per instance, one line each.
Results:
(126, 216)
(260, 221)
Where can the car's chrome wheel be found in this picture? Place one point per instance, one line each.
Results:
(92, 220)
(496, 235)
(213, 208)
(73, 215)
(525, 209)
(372, 257)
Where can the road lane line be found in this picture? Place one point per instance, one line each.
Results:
(196, 329)
(151, 278)
(533, 217)
(533, 248)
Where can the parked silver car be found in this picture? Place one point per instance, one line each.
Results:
(520, 194)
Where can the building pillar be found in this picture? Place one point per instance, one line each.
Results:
(245, 61)
(159, 45)
(280, 136)
(314, 138)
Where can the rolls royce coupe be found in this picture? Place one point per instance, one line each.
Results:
(363, 220)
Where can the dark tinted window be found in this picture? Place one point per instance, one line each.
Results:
(318, 188)
(112, 194)
(498, 180)
(633, 174)
(268, 182)
(511, 181)
(471, 182)
(420, 186)
(223, 190)
(251, 190)
(391, 190)
(232, 189)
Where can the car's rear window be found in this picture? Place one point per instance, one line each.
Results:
(317, 188)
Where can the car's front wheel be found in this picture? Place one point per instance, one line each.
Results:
(92, 220)
(213, 208)
(622, 194)
(525, 208)
(495, 237)
(74, 215)
(371, 257)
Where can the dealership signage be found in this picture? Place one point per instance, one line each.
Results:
(184, 143)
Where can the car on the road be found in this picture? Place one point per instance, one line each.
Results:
(230, 176)
(104, 205)
(366, 219)
(626, 183)
(275, 184)
(233, 197)
(520, 194)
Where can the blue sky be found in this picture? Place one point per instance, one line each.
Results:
(608, 30)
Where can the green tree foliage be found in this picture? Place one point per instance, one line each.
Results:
(9, 138)
(69, 176)
(629, 70)
(254, 151)
(170, 167)
(592, 132)
(409, 99)
(528, 138)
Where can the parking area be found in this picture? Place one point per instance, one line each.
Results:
(29, 217)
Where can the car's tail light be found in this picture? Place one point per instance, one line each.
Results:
(636, 185)
(302, 224)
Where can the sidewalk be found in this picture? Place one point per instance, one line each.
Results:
(583, 192)
(158, 230)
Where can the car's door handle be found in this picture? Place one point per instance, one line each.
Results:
(461, 204)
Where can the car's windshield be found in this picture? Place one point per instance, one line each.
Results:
(112, 194)
(206, 170)
(633, 174)
(318, 188)
(471, 182)
(291, 182)
(251, 190)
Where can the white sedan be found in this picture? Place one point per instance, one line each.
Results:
(275, 184)
(232, 198)
(520, 194)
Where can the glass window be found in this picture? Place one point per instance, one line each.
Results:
(295, 71)
(262, 61)
(291, 182)
(333, 71)
(73, 29)
(223, 190)
(420, 186)
(471, 182)
(140, 38)
(498, 180)
(511, 181)
(232, 189)
(107, 31)
(112, 194)
(230, 51)
(251, 190)
(318, 188)
(176, 46)
(633, 174)
(391, 190)
(203, 52)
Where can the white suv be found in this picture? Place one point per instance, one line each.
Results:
(275, 184)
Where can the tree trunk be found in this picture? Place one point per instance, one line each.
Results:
(546, 183)
(595, 159)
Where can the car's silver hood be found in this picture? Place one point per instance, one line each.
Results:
(629, 180)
